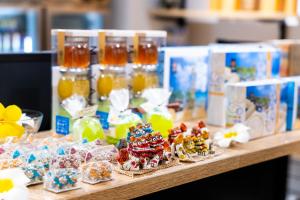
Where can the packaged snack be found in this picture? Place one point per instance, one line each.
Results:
(63, 174)
(145, 151)
(185, 74)
(266, 107)
(101, 153)
(157, 113)
(96, 172)
(193, 146)
(235, 63)
(61, 180)
(120, 118)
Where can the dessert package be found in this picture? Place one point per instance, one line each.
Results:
(110, 71)
(266, 107)
(143, 151)
(185, 74)
(63, 174)
(191, 146)
(71, 72)
(296, 80)
(120, 118)
(96, 171)
(235, 63)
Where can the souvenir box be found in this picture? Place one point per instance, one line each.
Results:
(186, 77)
(266, 107)
(235, 63)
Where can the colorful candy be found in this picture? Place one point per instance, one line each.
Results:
(146, 149)
(96, 172)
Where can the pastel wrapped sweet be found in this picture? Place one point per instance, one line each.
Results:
(65, 161)
(156, 109)
(88, 128)
(120, 117)
(61, 180)
(63, 174)
(33, 167)
(96, 172)
(10, 163)
(102, 153)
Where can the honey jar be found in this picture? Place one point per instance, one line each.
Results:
(77, 53)
(73, 48)
(113, 47)
(146, 44)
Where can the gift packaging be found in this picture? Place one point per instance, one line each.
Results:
(63, 174)
(266, 107)
(235, 63)
(71, 74)
(289, 56)
(186, 76)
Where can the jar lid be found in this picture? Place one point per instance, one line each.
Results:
(74, 32)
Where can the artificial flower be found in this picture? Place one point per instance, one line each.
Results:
(9, 118)
(13, 184)
(238, 133)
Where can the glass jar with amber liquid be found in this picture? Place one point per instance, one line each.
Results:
(114, 52)
(76, 53)
(73, 84)
(147, 52)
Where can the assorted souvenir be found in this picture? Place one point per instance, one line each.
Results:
(193, 146)
(144, 150)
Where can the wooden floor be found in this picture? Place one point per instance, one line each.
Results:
(123, 187)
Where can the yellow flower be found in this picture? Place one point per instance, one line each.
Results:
(13, 184)
(9, 117)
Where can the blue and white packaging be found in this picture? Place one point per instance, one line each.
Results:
(266, 107)
(237, 63)
(186, 76)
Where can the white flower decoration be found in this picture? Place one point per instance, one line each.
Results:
(13, 184)
(237, 133)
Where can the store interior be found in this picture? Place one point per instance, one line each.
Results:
(182, 80)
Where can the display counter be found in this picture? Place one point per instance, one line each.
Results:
(239, 156)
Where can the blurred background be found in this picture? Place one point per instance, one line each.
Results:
(25, 24)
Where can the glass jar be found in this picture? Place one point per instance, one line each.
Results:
(72, 83)
(115, 51)
(147, 53)
(110, 79)
(76, 53)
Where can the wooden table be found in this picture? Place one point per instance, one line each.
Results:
(123, 187)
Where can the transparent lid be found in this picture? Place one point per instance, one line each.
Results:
(74, 32)
(117, 33)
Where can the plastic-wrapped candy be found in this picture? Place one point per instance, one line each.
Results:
(156, 109)
(146, 150)
(96, 172)
(6, 163)
(192, 146)
(120, 118)
(101, 153)
(33, 168)
(63, 174)
(61, 180)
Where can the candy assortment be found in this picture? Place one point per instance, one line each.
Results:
(63, 174)
(96, 172)
(143, 150)
(193, 146)
(61, 180)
